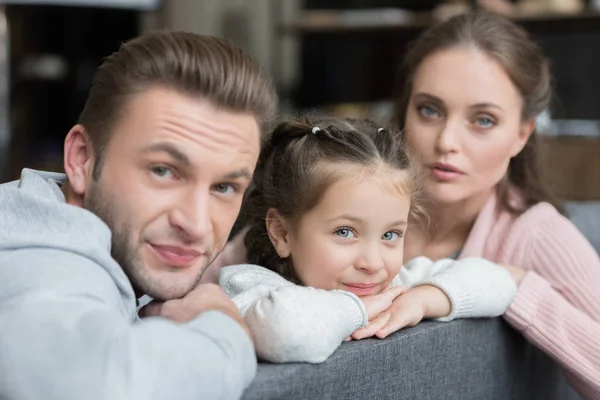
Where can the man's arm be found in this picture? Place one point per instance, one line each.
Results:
(65, 335)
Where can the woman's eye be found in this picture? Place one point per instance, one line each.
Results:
(390, 236)
(427, 111)
(345, 233)
(485, 122)
(162, 172)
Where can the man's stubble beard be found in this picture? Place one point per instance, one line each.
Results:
(123, 252)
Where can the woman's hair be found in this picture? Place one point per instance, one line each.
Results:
(522, 59)
(294, 171)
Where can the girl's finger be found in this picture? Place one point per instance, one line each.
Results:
(372, 327)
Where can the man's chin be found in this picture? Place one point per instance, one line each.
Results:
(165, 286)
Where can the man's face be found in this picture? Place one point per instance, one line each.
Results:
(171, 186)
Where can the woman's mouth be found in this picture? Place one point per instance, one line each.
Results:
(445, 172)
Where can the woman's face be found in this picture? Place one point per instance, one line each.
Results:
(464, 122)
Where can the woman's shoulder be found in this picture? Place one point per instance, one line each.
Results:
(540, 219)
(543, 227)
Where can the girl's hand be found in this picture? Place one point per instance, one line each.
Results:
(407, 310)
(378, 303)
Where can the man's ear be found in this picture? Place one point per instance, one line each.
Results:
(525, 131)
(78, 159)
(278, 230)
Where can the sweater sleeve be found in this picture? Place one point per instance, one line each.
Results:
(475, 287)
(558, 302)
(291, 323)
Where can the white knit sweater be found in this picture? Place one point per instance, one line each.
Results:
(292, 323)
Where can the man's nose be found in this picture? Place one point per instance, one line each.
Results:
(191, 214)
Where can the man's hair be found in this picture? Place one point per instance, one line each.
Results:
(200, 66)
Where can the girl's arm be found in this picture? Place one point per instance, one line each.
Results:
(444, 290)
(474, 286)
(291, 323)
(558, 302)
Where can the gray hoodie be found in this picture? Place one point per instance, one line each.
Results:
(68, 324)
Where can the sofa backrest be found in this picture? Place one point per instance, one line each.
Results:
(478, 359)
(586, 216)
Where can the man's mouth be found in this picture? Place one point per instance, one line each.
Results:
(176, 256)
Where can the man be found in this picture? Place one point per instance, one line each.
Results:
(155, 173)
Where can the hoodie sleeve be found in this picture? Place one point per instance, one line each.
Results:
(64, 338)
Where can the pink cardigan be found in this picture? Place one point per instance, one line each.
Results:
(558, 302)
(557, 306)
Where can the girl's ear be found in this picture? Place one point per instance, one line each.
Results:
(278, 230)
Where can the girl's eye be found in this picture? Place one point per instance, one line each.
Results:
(391, 236)
(427, 111)
(485, 122)
(162, 172)
(345, 233)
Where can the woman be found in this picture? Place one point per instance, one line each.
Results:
(474, 86)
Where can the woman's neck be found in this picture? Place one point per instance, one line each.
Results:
(453, 222)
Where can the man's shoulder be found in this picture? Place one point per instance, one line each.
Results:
(33, 213)
(66, 245)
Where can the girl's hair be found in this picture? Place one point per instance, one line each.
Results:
(294, 171)
(523, 61)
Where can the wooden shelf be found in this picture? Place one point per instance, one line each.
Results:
(573, 166)
(334, 22)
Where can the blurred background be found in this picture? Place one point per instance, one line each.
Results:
(334, 56)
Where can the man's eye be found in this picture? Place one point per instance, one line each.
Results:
(225, 188)
(162, 172)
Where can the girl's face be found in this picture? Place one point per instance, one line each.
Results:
(353, 239)
(464, 122)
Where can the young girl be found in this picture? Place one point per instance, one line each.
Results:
(327, 216)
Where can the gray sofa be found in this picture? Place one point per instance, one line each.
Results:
(462, 360)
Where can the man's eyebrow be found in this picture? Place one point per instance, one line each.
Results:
(240, 173)
(167, 148)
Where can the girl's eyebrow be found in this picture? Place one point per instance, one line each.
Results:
(400, 222)
(346, 216)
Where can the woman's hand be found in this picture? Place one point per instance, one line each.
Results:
(517, 273)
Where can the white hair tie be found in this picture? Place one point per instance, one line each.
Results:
(315, 130)
(379, 130)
